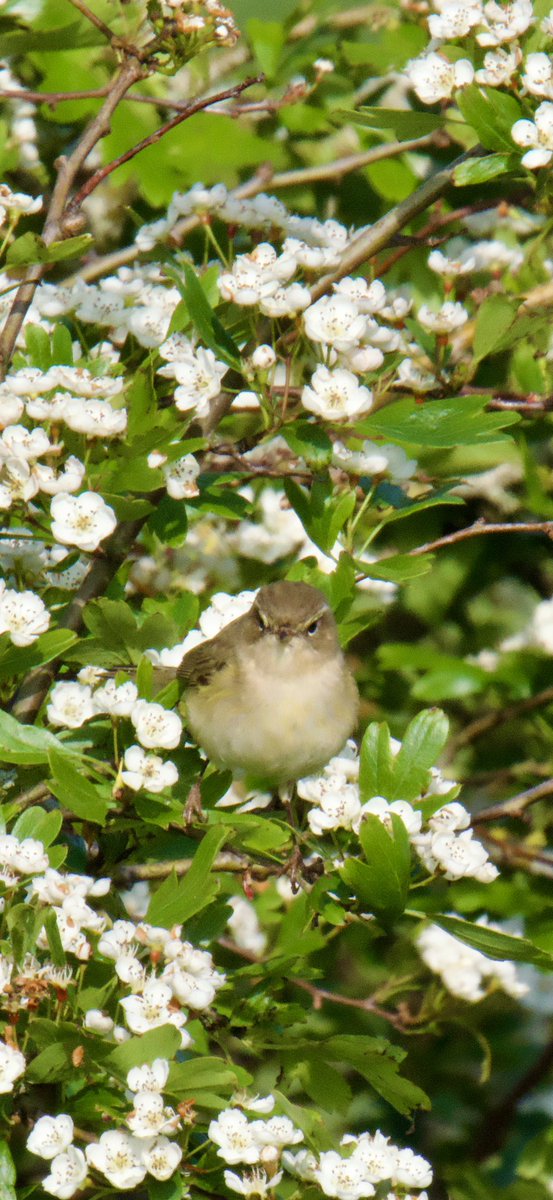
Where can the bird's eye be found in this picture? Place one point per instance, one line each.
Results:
(311, 629)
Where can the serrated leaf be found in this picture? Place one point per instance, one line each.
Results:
(457, 421)
(77, 794)
(422, 745)
(491, 114)
(162, 1042)
(376, 767)
(205, 320)
(19, 659)
(381, 883)
(309, 442)
(496, 945)
(176, 900)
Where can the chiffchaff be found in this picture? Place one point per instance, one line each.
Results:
(271, 696)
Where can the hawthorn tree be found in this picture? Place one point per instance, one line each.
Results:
(275, 303)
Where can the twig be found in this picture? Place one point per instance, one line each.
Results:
(370, 241)
(496, 1129)
(262, 179)
(189, 111)
(500, 716)
(321, 994)
(94, 20)
(517, 855)
(515, 806)
(131, 71)
(481, 527)
(237, 864)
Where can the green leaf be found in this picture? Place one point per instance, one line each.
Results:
(381, 884)
(76, 792)
(26, 744)
(176, 900)
(67, 37)
(267, 38)
(309, 442)
(321, 513)
(19, 659)
(37, 823)
(57, 953)
(378, 1062)
(25, 250)
(7, 1173)
(206, 322)
(73, 247)
(495, 317)
(459, 421)
(166, 1189)
(113, 623)
(491, 114)
(200, 1074)
(398, 568)
(162, 1042)
(376, 766)
(475, 171)
(422, 744)
(38, 345)
(405, 123)
(499, 946)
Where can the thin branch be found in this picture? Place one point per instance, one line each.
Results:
(131, 71)
(236, 864)
(481, 527)
(263, 178)
(515, 806)
(188, 111)
(379, 235)
(367, 1005)
(94, 20)
(517, 855)
(500, 716)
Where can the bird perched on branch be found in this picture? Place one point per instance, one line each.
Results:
(271, 696)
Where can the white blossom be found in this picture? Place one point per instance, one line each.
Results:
(181, 476)
(150, 1116)
(375, 458)
(83, 521)
(343, 1178)
(433, 78)
(232, 1133)
(23, 616)
(465, 971)
(162, 1158)
(334, 321)
(244, 926)
(51, 1136)
(70, 705)
(98, 1021)
(450, 316)
(94, 418)
(119, 1157)
(499, 66)
(198, 374)
(505, 22)
(151, 1009)
(336, 395)
(147, 771)
(119, 940)
(68, 1172)
(255, 1183)
(536, 134)
(67, 480)
(454, 20)
(151, 1077)
(377, 1154)
(12, 1065)
(156, 726)
(18, 442)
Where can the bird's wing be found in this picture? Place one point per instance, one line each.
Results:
(201, 664)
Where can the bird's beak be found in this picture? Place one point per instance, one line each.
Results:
(284, 633)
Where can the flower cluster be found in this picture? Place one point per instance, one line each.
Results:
(446, 844)
(367, 1160)
(465, 972)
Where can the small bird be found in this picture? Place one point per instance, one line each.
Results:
(271, 696)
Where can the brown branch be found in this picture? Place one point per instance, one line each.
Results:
(517, 855)
(183, 115)
(370, 241)
(54, 229)
(237, 864)
(367, 1005)
(481, 527)
(515, 806)
(94, 20)
(262, 179)
(500, 716)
